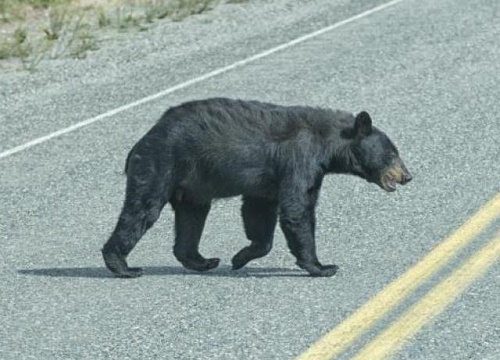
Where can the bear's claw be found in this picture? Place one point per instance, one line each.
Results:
(118, 266)
(205, 265)
(318, 270)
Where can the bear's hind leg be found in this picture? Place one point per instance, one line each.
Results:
(189, 223)
(259, 219)
(134, 221)
(145, 198)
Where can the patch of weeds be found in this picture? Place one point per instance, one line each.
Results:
(20, 47)
(3, 11)
(66, 27)
(131, 20)
(126, 17)
(58, 17)
(20, 35)
(5, 52)
(157, 10)
(9, 12)
(73, 38)
(83, 45)
(16, 45)
(42, 4)
(185, 8)
(38, 51)
(102, 18)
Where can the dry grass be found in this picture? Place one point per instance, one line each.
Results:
(32, 30)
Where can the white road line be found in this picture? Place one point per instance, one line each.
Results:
(196, 80)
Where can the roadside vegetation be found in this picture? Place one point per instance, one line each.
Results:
(33, 30)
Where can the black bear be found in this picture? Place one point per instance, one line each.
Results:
(274, 156)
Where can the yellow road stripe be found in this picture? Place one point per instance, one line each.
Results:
(336, 341)
(431, 304)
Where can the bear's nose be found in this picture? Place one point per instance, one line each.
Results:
(407, 178)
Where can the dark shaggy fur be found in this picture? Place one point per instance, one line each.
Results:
(274, 156)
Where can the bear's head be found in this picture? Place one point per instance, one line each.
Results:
(373, 156)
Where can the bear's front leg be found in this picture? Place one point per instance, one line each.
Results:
(298, 221)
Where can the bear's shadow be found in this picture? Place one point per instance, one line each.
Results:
(222, 271)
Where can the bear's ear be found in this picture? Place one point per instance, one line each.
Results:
(363, 124)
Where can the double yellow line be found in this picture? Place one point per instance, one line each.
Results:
(336, 341)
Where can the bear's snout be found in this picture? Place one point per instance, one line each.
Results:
(405, 174)
(406, 178)
(396, 174)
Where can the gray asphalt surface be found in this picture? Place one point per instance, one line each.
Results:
(427, 71)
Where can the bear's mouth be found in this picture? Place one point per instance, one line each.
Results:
(388, 183)
(394, 175)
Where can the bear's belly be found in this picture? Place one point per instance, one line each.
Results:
(247, 183)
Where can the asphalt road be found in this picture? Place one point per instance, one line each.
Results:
(427, 71)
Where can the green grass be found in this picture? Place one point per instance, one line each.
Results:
(16, 46)
(39, 4)
(15, 10)
(34, 30)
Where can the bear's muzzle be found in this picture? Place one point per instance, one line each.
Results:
(397, 173)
